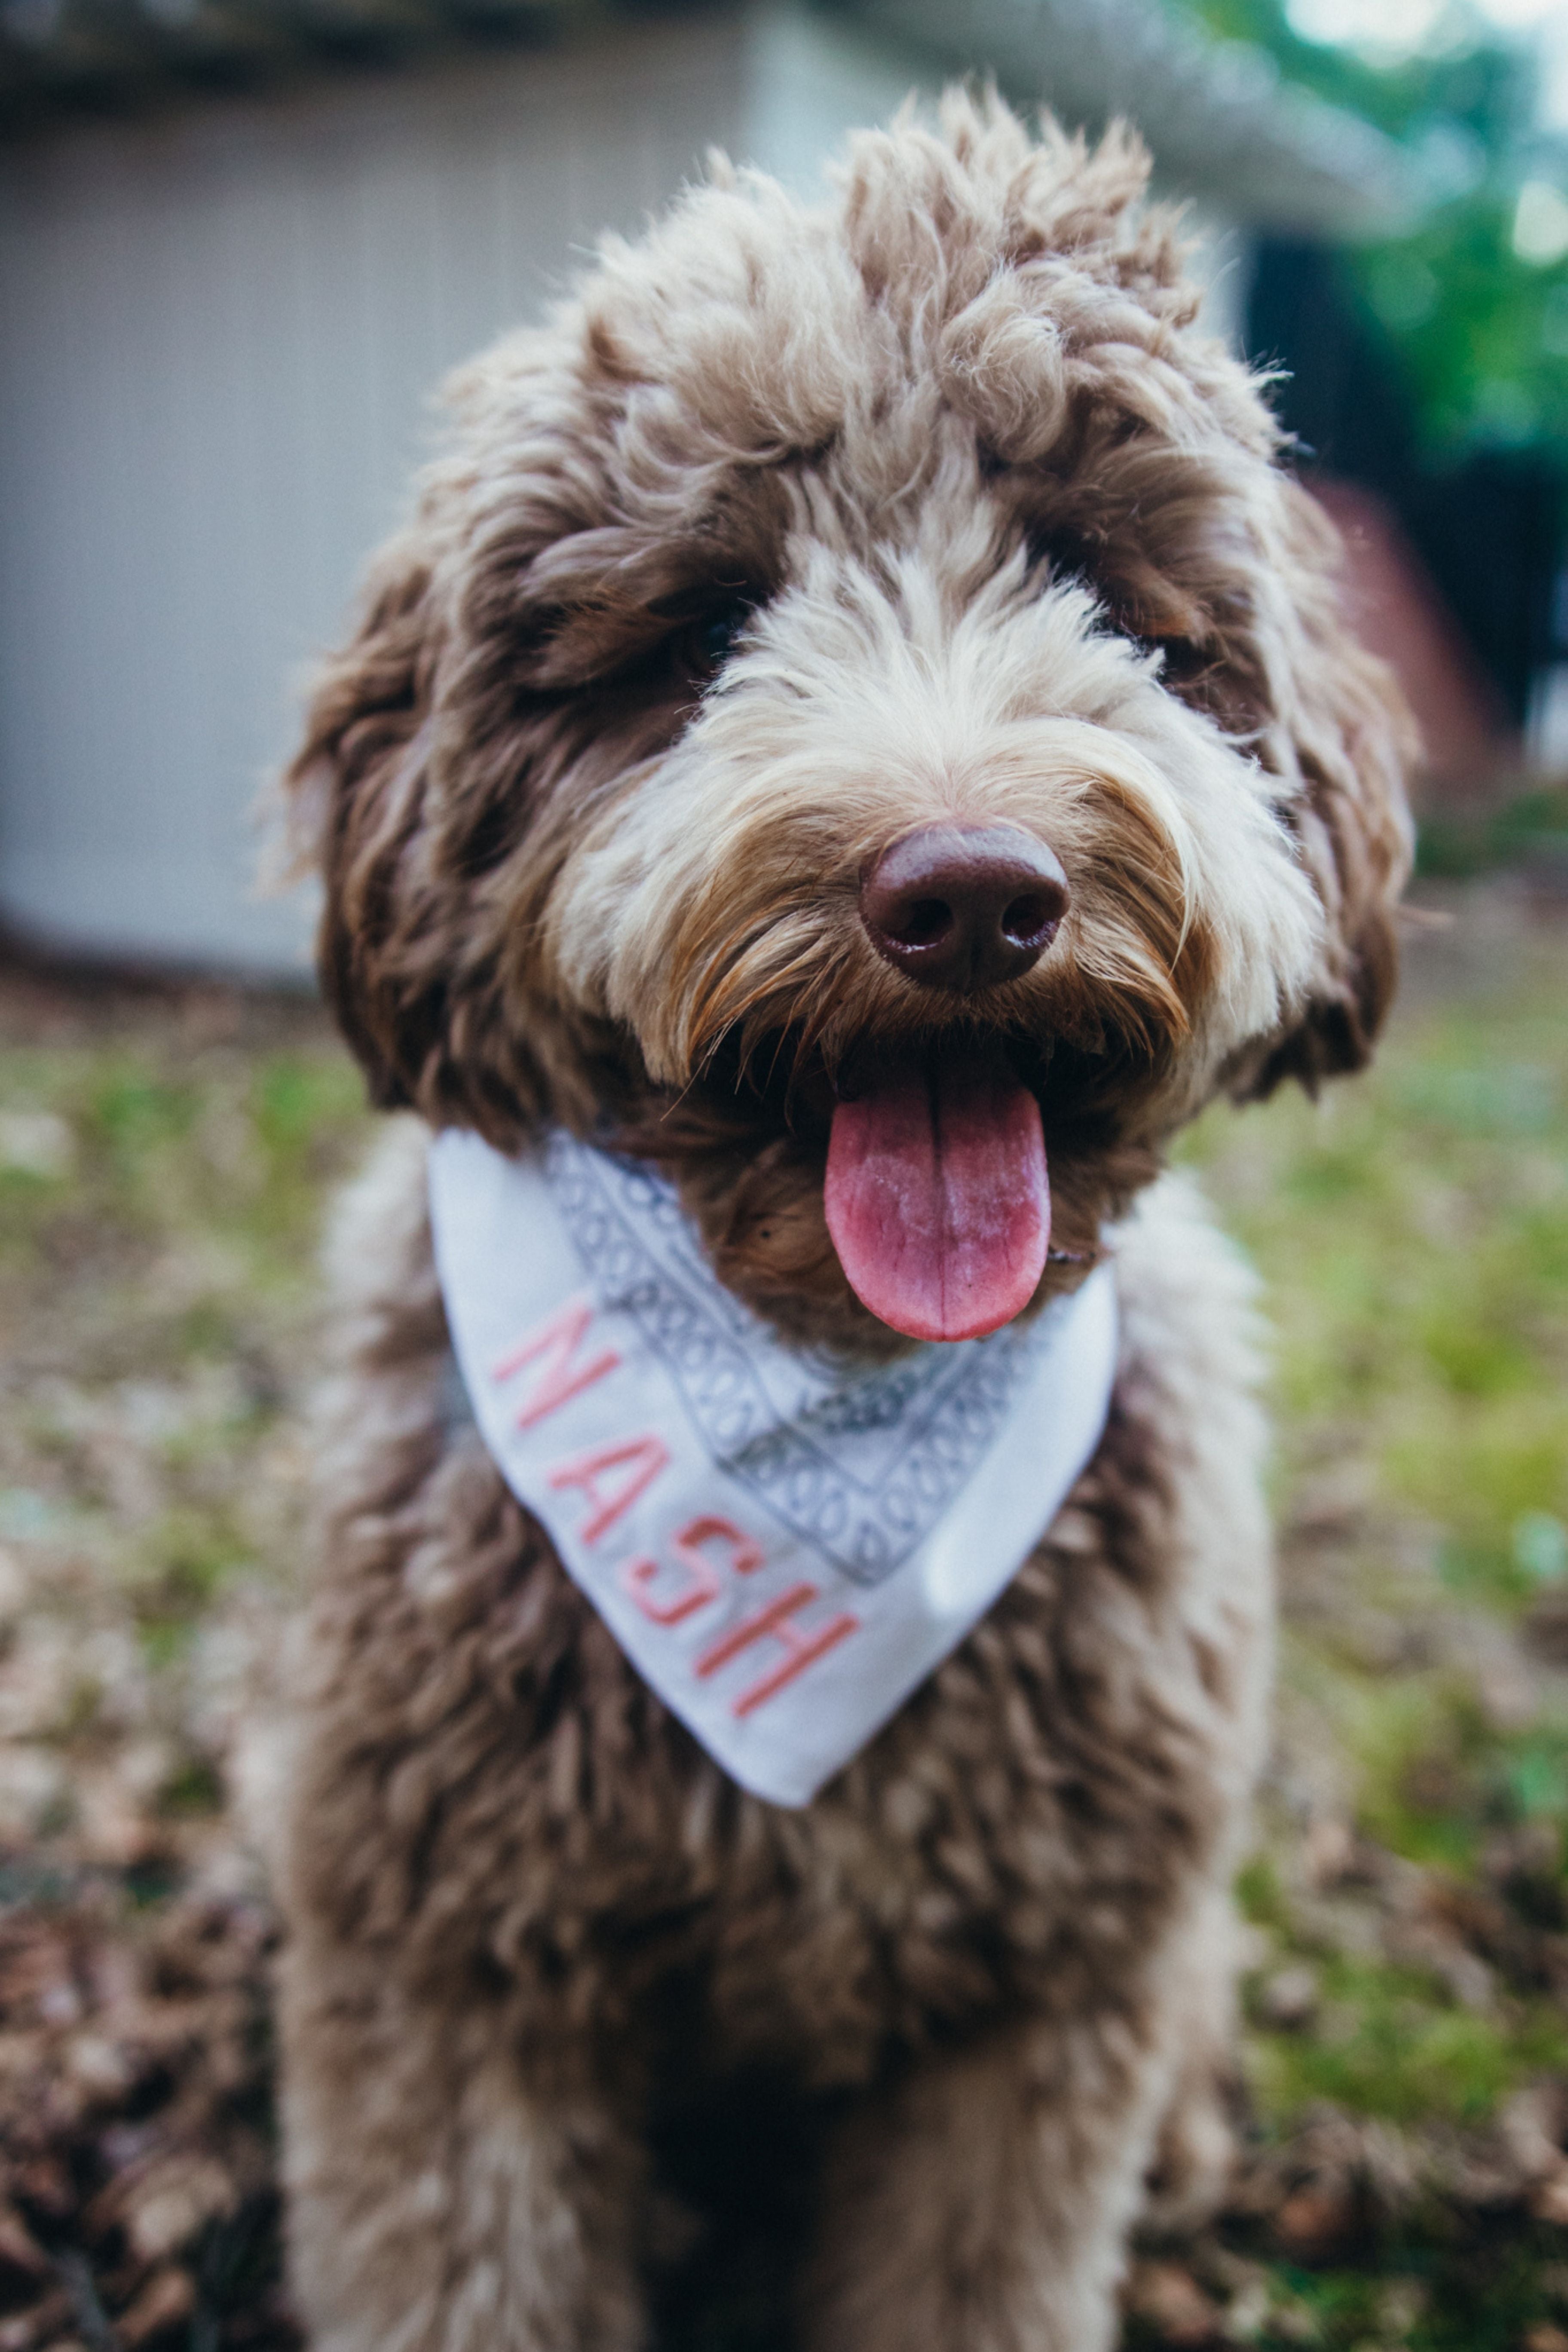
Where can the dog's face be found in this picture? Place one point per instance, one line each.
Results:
(862, 717)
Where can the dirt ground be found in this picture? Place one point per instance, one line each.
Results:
(166, 1154)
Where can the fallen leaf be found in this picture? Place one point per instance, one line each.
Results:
(1170, 2299)
(1311, 2218)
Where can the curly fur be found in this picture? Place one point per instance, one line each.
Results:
(995, 534)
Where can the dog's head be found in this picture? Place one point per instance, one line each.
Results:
(860, 711)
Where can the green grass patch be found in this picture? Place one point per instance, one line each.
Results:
(1413, 1231)
(1529, 829)
(1392, 2042)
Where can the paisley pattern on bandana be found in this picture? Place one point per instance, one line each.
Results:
(784, 1544)
(861, 1464)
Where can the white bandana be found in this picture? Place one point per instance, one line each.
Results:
(784, 1545)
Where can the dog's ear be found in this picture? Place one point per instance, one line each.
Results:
(409, 796)
(414, 797)
(357, 788)
(1349, 737)
(513, 655)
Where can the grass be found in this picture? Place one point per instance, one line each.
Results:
(1527, 829)
(164, 1159)
(1411, 1883)
(1413, 1233)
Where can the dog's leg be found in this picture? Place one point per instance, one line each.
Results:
(983, 2203)
(439, 2202)
(1196, 2148)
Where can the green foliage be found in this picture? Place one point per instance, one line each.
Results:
(1414, 1229)
(1476, 318)
(1392, 2043)
(194, 1790)
(1476, 85)
(1530, 830)
(161, 1176)
(1480, 332)
(217, 1159)
(1259, 1893)
(175, 1572)
(1413, 1232)
(140, 1118)
(1437, 2290)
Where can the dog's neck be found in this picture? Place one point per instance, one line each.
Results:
(782, 1542)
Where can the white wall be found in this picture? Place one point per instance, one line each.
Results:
(220, 332)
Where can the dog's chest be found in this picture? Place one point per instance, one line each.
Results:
(496, 1790)
(1009, 1837)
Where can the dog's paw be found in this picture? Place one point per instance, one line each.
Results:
(1193, 2162)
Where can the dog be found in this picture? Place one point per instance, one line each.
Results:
(857, 746)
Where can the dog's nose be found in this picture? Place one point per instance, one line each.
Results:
(964, 907)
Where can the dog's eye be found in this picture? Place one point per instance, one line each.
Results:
(1184, 661)
(714, 638)
(706, 619)
(1055, 553)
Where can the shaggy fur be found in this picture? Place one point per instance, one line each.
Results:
(793, 531)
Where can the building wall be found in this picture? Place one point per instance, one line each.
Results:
(221, 332)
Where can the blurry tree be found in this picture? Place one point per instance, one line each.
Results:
(1470, 295)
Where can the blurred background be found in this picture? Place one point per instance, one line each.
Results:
(240, 242)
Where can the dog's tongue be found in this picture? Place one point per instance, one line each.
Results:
(937, 1198)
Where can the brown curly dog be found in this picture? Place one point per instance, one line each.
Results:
(844, 652)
